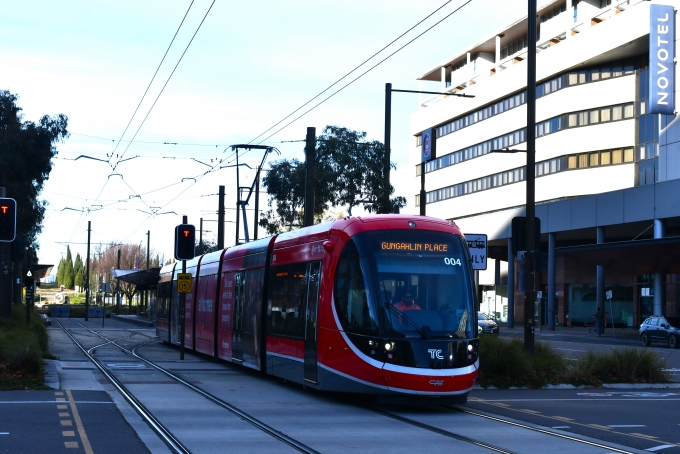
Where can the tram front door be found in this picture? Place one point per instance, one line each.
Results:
(237, 327)
(314, 276)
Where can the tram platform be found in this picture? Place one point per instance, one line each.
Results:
(135, 319)
(622, 336)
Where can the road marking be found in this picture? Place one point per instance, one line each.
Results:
(659, 448)
(4, 433)
(561, 427)
(66, 422)
(64, 415)
(531, 411)
(651, 437)
(71, 444)
(79, 424)
(128, 366)
(617, 426)
(563, 418)
(68, 433)
(598, 426)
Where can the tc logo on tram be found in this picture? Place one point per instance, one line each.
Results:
(435, 353)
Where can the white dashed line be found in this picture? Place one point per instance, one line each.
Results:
(561, 427)
(622, 426)
(4, 433)
(659, 448)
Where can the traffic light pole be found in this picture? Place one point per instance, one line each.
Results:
(182, 307)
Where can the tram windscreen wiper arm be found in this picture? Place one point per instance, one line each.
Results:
(413, 324)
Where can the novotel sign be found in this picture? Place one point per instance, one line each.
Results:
(661, 59)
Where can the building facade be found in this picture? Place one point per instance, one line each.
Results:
(607, 163)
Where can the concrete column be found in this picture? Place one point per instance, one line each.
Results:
(569, 19)
(469, 70)
(552, 262)
(659, 294)
(511, 286)
(599, 292)
(498, 54)
(443, 81)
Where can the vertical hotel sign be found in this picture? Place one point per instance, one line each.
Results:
(428, 145)
(661, 59)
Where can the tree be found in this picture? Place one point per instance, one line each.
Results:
(60, 272)
(26, 152)
(350, 172)
(79, 272)
(205, 247)
(131, 255)
(69, 275)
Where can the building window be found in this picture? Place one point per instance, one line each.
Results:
(617, 156)
(594, 160)
(606, 158)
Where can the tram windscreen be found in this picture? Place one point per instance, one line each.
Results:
(421, 284)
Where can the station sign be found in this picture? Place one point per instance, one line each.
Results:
(478, 250)
(428, 144)
(184, 283)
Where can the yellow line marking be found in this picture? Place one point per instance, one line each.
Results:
(62, 407)
(597, 426)
(642, 435)
(64, 415)
(66, 422)
(79, 424)
(68, 433)
(71, 444)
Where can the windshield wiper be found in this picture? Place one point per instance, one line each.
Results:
(413, 324)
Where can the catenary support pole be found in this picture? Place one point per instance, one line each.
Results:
(552, 262)
(257, 202)
(388, 144)
(182, 306)
(310, 180)
(87, 272)
(238, 200)
(220, 219)
(531, 256)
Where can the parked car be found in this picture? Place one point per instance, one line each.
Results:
(486, 324)
(657, 329)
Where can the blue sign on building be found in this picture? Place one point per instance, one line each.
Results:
(661, 56)
(428, 144)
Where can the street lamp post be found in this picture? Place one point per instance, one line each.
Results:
(388, 132)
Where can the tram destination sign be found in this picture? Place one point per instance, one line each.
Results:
(184, 282)
(477, 247)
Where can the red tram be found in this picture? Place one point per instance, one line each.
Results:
(377, 305)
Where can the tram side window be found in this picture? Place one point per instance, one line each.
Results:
(351, 300)
(288, 286)
(164, 291)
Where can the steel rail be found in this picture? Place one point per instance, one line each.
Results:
(216, 400)
(537, 429)
(156, 425)
(439, 431)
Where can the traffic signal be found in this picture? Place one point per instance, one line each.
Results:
(8, 219)
(185, 238)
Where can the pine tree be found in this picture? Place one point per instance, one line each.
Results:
(69, 275)
(60, 272)
(78, 272)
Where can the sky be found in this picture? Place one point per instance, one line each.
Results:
(249, 65)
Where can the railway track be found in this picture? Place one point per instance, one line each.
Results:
(162, 430)
(176, 445)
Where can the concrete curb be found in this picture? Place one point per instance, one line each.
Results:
(135, 321)
(51, 376)
(604, 386)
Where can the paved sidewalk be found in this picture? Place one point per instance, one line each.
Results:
(622, 336)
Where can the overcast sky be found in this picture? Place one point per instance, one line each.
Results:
(250, 65)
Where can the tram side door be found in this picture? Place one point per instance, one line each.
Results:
(237, 330)
(174, 315)
(314, 276)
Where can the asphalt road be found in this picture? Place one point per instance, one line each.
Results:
(645, 419)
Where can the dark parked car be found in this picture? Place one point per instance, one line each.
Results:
(657, 329)
(486, 324)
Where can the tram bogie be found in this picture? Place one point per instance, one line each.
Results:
(380, 305)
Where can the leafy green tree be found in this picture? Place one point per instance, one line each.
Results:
(349, 171)
(26, 152)
(79, 272)
(205, 247)
(60, 272)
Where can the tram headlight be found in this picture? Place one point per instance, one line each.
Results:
(389, 346)
(470, 347)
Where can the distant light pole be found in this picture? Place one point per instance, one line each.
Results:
(385, 209)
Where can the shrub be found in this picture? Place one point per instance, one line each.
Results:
(627, 365)
(502, 363)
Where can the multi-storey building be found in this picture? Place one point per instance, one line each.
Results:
(607, 170)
